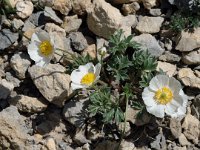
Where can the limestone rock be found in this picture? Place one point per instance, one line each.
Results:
(7, 38)
(13, 3)
(91, 50)
(64, 6)
(149, 24)
(187, 76)
(148, 4)
(104, 19)
(80, 6)
(175, 127)
(29, 104)
(170, 57)
(49, 12)
(13, 134)
(17, 23)
(188, 41)
(191, 128)
(123, 1)
(20, 63)
(183, 140)
(130, 8)
(78, 41)
(193, 58)
(74, 112)
(71, 23)
(5, 88)
(52, 82)
(149, 42)
(80, 137)
(24, 9)
(168, 68)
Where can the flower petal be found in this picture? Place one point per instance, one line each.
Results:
(157, 110)
(35, 38)
(43, 36)
(77, 75)
(170, 109)
(147, 97)
(174, 85)
(158, 82)
(75, 86)
(33, 52)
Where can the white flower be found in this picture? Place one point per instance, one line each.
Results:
(85, 76)
(41, 48)
(164, 95)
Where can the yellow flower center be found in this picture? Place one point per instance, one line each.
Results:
(163, 96)
(88, 79)
(46, 48)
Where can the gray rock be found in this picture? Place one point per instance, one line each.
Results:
(5, 88)
(80, 137)
(13, 134)
(78, 41)
(71, 23)
(155, 12)
(149, 24)
(159, 143)
(10, 78)
(103, 19)
(20, 63)
(175, 127)
(49, 12)
(7, 38)
(130, 8)
(149, 42)
(74, 112)
(52, 82)
(80, 6)
(38, 18)
(24, 9)
(28, 25)
(187, 41)
(192, 58)
(28, 104)
(170, 57)
(17, 23)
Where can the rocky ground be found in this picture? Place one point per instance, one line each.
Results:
(36, 109)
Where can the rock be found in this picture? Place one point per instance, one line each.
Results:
(103, 19)
(127, 128)
(74, 112)
(17, 23)
(28, 104)
(175, 127)
(126, 145)
(149, 24)
(148, 4)
(20, 63)
(132, 117)
(13, 3)
(168, 68)
(52, 82)
(159, 143)
(7, 38)
(130, 8)
(13, 134)
(50, 144)
(64, 6)
(149, 42)
(5, 88)
(80, 137)
(191, 128)
(91, 50)
(51, 28)
(122, 1)
(49, 12)
(10, 78)
(38, 18)
(80, 6)
(28, 25)
(188, 41)
(155, 12)
(24, 9)
(170, 57)
(107, 145)
(78, 41)
(94, 133)
(187, 76)
(196, 108)
(183, 141)
(71, 23)
(192, 58)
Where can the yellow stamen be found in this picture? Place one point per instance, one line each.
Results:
(46, 48)
(163, 96)
(88, 79)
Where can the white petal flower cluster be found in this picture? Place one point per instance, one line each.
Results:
(165, 95)
(41, 48)
(85, 76)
